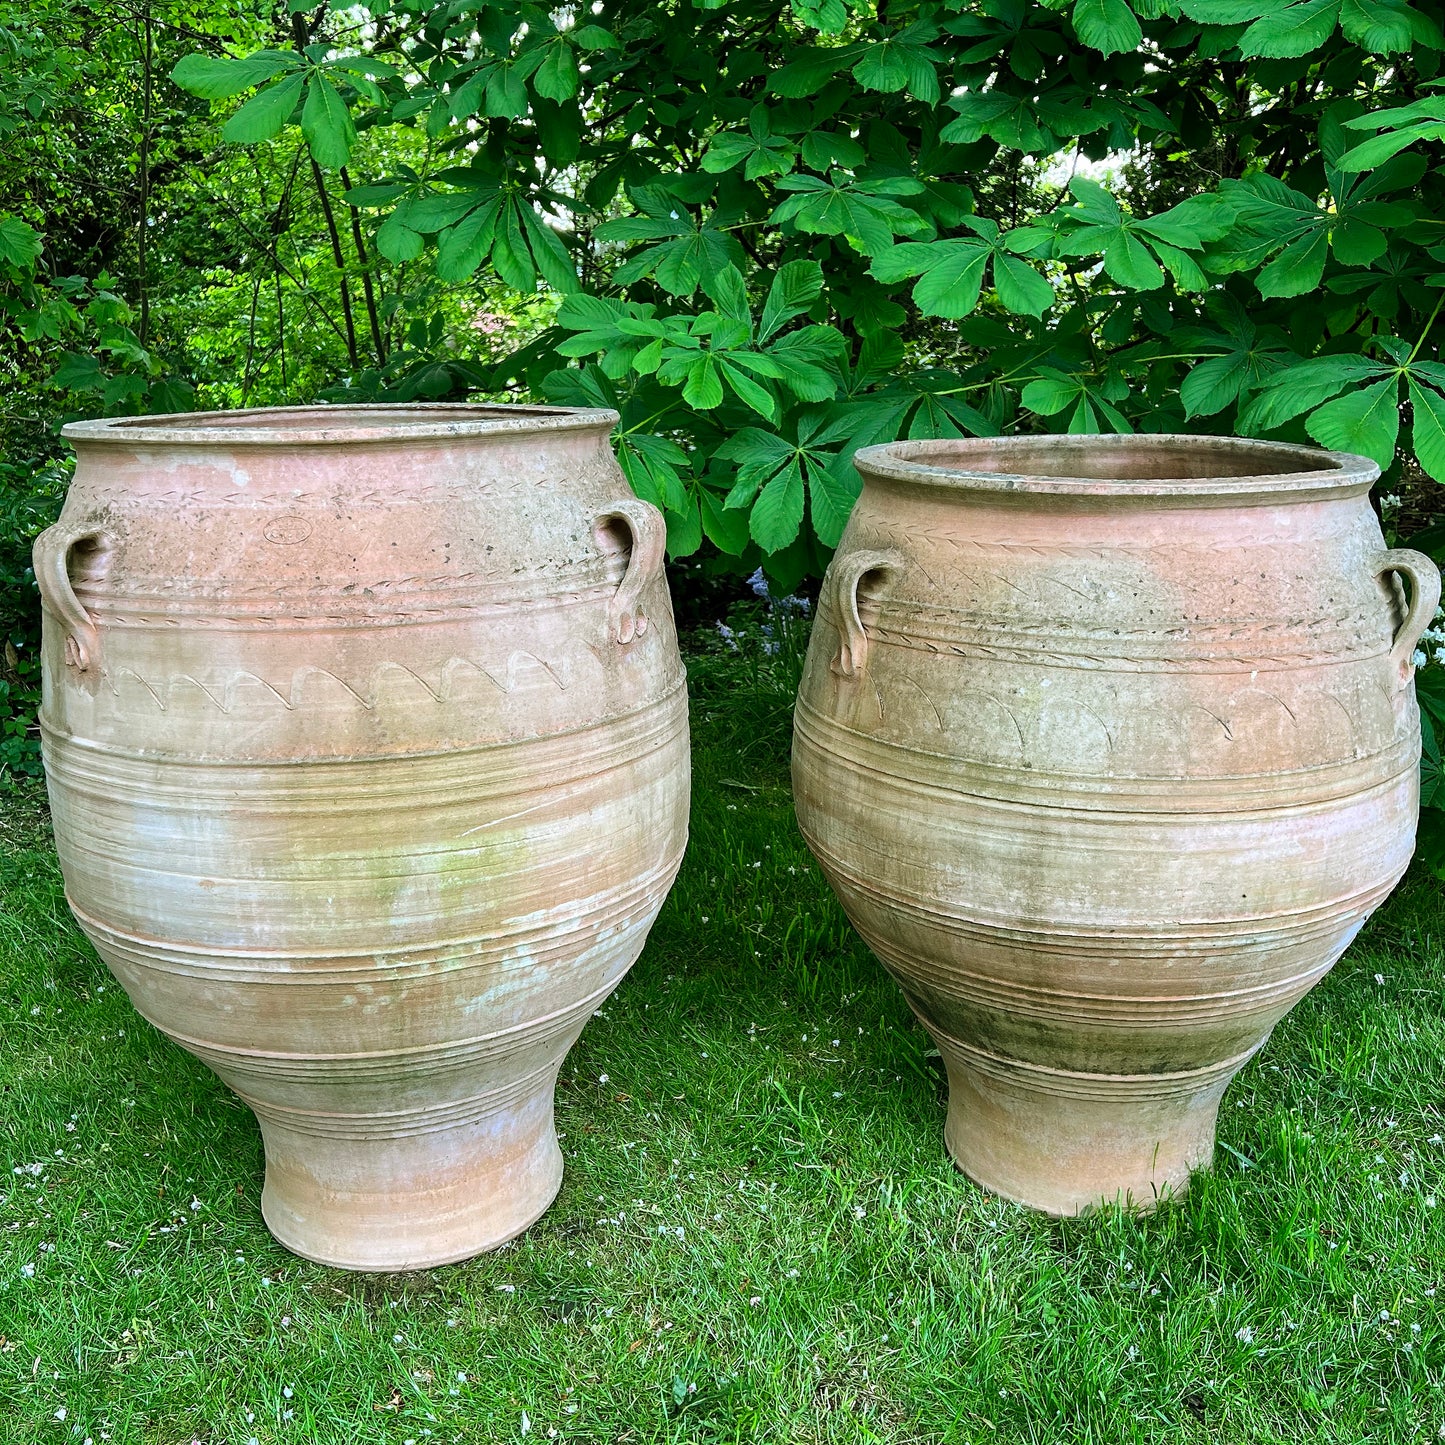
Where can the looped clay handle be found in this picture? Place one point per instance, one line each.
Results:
(625, 617)
(51, 560)
(841, 587)
(1424, 591)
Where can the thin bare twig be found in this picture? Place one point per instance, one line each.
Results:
(145, 180)
(366, 286)
(302, 35)
(336, 254)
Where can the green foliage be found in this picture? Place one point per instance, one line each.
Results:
(31, 492)
(73, 340)
(78, 332)
(327, 82)
(659, 168)
(1430, 690)
(79, 335)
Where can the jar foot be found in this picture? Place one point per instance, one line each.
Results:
(369, 1193)
(1064, 1142)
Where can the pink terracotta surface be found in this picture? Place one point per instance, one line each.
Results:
(1109, 746)
(366, 737)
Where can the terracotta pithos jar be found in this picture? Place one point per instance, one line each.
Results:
(366, 737)
(1109, 747)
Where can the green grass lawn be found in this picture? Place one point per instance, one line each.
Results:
(760, 1236)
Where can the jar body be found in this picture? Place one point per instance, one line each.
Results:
(1117, 781)
(363, 795)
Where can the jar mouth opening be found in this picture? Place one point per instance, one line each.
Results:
(323, 425)
(1155, 465)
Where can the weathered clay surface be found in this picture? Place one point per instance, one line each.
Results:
(366, 738)
(1109, 747)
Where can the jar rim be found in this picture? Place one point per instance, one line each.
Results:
(341, 424)
(1181, 467)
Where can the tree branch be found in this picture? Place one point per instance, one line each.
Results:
(145, 181)
(366, 286)
(303, 35)
(336, 254)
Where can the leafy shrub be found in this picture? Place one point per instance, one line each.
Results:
(30, 498)
(749, 209)
(1430, 689)
(68, 342)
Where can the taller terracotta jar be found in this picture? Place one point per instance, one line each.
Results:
(1109, 747)
(366, 738)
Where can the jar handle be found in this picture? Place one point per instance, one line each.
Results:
(1424, 579)
(625, 617)
(51, 561)
(840, 587)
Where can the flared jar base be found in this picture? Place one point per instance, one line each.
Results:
(366, 1200)
(1063, 1142)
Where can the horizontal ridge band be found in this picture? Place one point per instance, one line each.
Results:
(400, 962)
(357, 1068)
(387, 1124)
(324, 780)
(1206, 934)
(1039, 1078)
(1113, 795)
(1133, 1011)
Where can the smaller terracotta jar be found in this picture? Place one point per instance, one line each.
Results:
(1109, 747)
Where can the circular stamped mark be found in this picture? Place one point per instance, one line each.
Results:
(288, 530)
